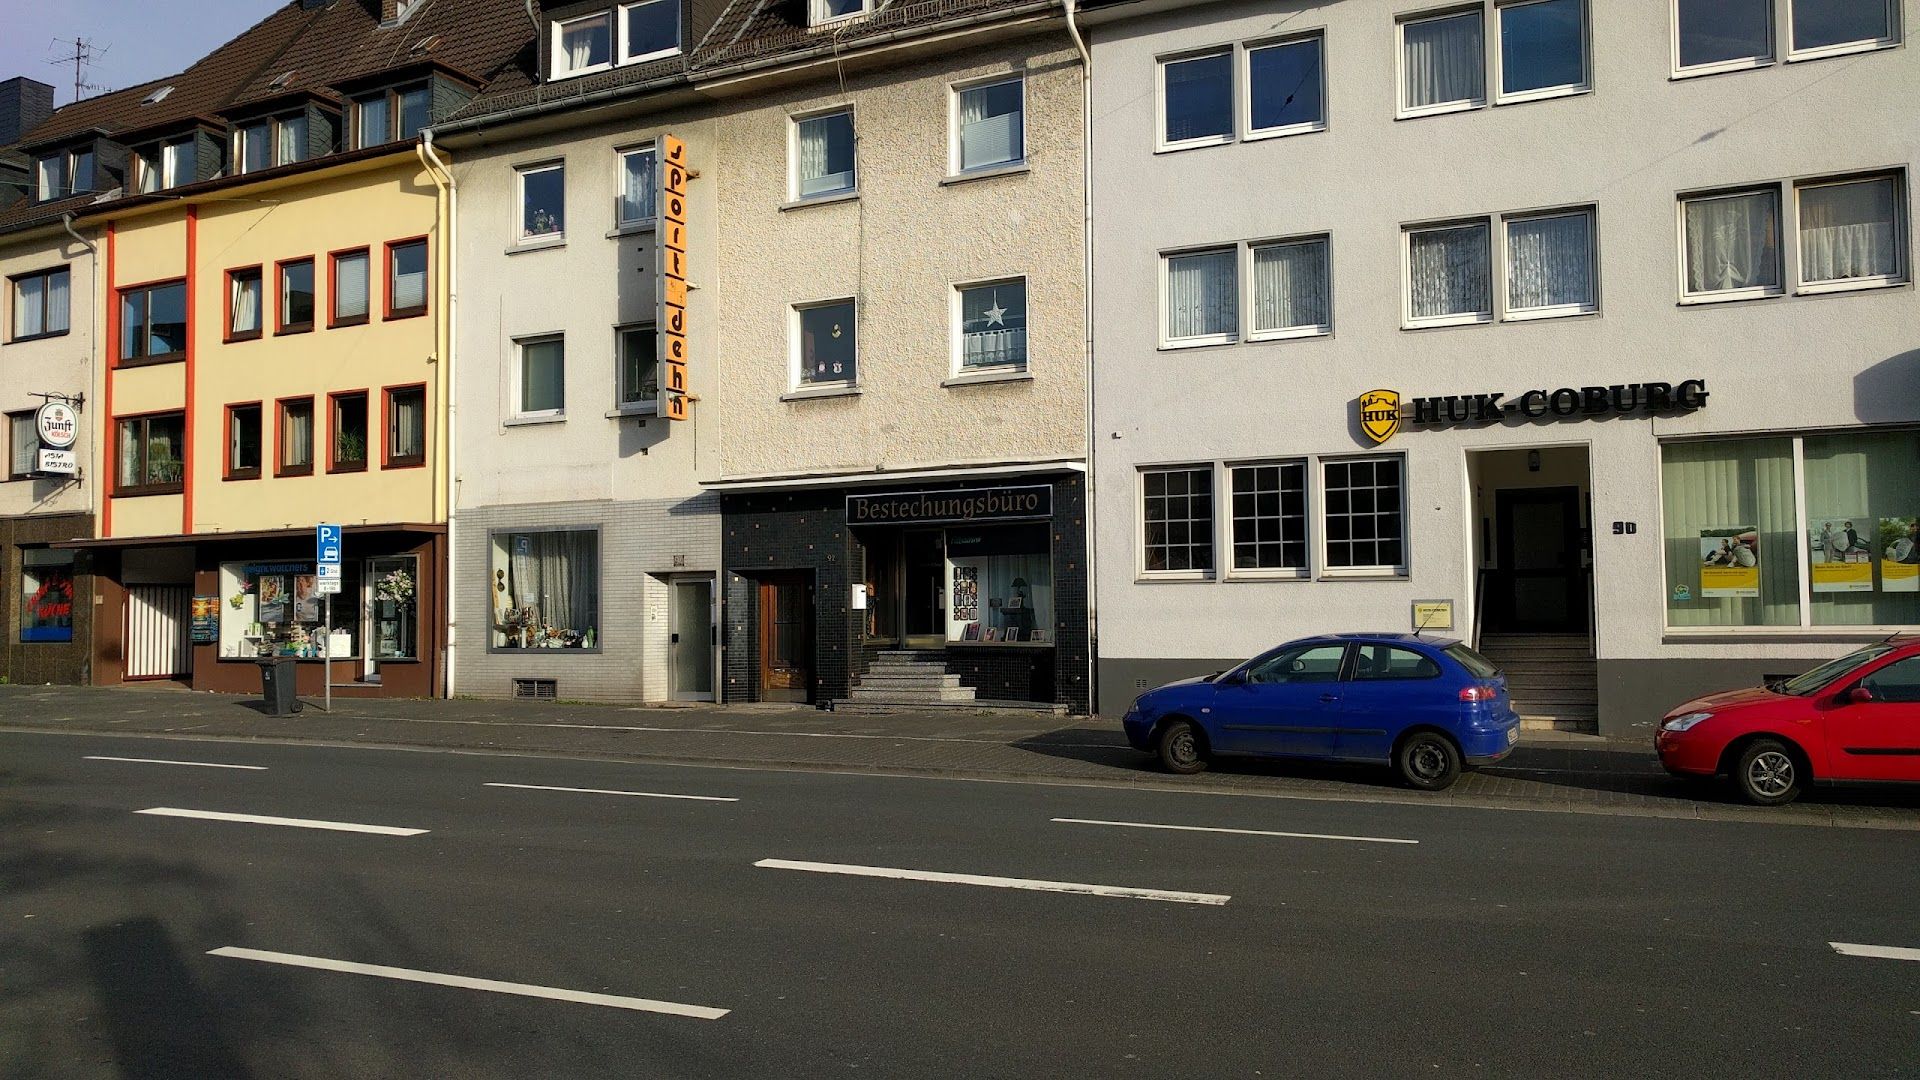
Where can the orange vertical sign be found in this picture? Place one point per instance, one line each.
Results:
(672, 277)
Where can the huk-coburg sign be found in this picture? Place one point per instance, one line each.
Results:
(1381, 412)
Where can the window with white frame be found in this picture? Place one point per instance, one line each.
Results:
(1551, 269)
(543, 202)
(825, 344)
(1443, 64)
(639, 185)
(1852, 232)
(989, 125)
(1176, 516)
(582, 45)
(992, 321)
(1731, 244)
(1286, 86)
(1291, 294)
(824, 155)
(1721, 35)
(1449, 274)
(1830, 27)
(1543, 48)
(540, 377)
(1202, 297)
(1196, 99)
(168, 165)
(69, 172)
(820, 12)
(649, 30)
(1269, 518)
(639, 374)
(1362, 506)
(41, 303)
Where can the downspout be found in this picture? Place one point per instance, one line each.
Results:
(450, 205)
(1086, 322)
(93, 335)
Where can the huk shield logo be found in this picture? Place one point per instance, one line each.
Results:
(1380, 414)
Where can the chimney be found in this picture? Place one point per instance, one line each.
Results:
(24, 105)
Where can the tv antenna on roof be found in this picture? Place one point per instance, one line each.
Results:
(81, 58)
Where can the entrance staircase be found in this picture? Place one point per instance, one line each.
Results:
(900, 678)
(1551, 679)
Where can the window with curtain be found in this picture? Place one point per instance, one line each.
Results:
(540, 377)
(1196, 98)
(1286, 86)
(639, 186)
(1551, 268)
(1269, 519)
(350, 288)
(406, 426)
(373, 121)
(1723, 33)
(1863, 526)
(406, 279)
(46, 595)
(546, 589)
(153, 323)
(649, 29)
(1443, 63)
(41, 303)
(146, 172)
(243, 304)
(821, 11)
(293, 138)
(1203, 296)
(1363, 504)
(1732, 243)
(1291, 295)
(993, 325)
(295, 312)
(1852, 231)
(639, 366)
(256, 146)
(53, 179)
(1449, 270)
(1838, 24)
(179, 162)
(296, 438)
(824, 154)
(543, 202)
(23, 432)
(151, 452)
(827, 343)
(1728, 505)
(990, 125)
(582, 44)
(1543, 47)
(1177, 519)
(347, 430)
(415, 110)
(243, 442)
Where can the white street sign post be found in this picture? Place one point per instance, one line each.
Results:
(326, 557)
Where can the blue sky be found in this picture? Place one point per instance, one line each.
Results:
(143, 40)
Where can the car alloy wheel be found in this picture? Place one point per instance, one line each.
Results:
(1768, 774)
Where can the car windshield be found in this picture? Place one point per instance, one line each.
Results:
(1477, 666)
(1830, 672)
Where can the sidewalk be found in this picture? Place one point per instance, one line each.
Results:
(1551, 771)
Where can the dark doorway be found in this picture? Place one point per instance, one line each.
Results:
(786, 637)
(1539, 582)
(925, 586)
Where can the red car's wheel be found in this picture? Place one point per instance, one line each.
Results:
(1768, 773)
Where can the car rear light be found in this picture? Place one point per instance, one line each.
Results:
(1478, 693)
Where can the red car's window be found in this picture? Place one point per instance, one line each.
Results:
(1898, 681)
(1831, 672)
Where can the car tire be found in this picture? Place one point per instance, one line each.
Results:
(1181, 748)
(1428, 761)
(1768, 773)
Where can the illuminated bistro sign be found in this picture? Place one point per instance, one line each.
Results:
(964, 505)
(1382, 414)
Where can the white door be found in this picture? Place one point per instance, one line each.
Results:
(158, 617)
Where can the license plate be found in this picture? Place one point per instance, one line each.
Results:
(1513, 735)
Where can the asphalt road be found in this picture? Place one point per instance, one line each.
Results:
(775, 934)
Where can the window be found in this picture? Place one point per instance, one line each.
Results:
(295, 427)
(1722, 35)
(41, 303)
(406, 426)
(150, 451)
(1270, 518)
(826, 344)
(1543, 49)
(372, 121)
(1852, 233)
(1442, 64)
(649, 30)
(1299, 664)
(406, 278)
(639, 367)
(823, 155)
(1202, 297)
(540, 378)
(253, 146)
(349, 288)
(294, 310)
(1374, 662)
(989, 126)
(46, 595)
(546, 589)
(1864, 557)
(347, 432)
(1177, 515)
(583, 44)
(993, 325)
(1449, 275)
(1292, 296)
(1897, 682)
(826, 11)
(543, 202)
(243, 442)
(243, 304)
(1000, 579)
(393, 585)
(1829, 27)
(1362, 507)
(639, 186)
(153, 323)
(1196, 100)
(1551, 268)
(375, 116)
(69, 172)
(415, 109)
(167, 165)
(1286, 86)
(283, 600)
(23, 437)
(291, 132)
(1731, 244)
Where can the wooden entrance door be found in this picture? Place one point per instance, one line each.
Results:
(786, 637)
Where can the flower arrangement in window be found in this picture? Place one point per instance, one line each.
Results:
(541, 222)
(395, 587)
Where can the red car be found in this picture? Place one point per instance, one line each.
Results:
(1855, 718)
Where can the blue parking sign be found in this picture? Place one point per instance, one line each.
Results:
(326, 543)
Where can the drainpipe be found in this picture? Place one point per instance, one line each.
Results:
(93, 326)
(443, 178)
(1086, 322)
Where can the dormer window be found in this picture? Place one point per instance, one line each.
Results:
(822, 12)
(69, 172)
(278, 140)
(390, 115)
(582, 45)
(168, 165)
(649, 30)
(157, 96)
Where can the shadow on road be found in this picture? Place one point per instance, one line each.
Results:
(157, 1019)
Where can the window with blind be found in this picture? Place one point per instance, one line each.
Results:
(294, 426)
(23, 435)
(153, 323)
(1292, 293)
(1852, 232)
(1196, 99)
(1738, 490)
(1449, 275)
(1731, 243)
(993, 326)
(406, 427)
(243, 442)
(1443, 65)
(989, 126)
(1202, 297)
(406, 279)
(41, 304)
(1177, 520)
(1543, 48)
(243, 304)
(639, 186)
(150, 452)
(539, 378)
(349, 288)
(1286, 86)
(294, 310)
(824, 155)
(1551, 268)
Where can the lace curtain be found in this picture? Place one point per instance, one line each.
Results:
(556, 574)
(1550, 262)
(1448, 272)
(1202, 298)
(637, 186)
(1730, 243)
(1290, 286)
(825, 147)
(245, 303)
(1848, 231)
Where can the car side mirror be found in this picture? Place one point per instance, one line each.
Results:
(1232, 678)
(1859, 695)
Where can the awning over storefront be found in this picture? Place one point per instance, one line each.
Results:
(235, 537)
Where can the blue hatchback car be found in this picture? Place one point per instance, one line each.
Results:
(1429, 707)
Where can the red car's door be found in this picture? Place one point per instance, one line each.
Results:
(1878, 739)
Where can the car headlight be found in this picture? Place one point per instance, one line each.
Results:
(1683, 723)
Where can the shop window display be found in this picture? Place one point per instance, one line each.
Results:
(395, 623)
(1863, 528)
(46, 595)
(276, 609)
(546, 589)
(1000, 585)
